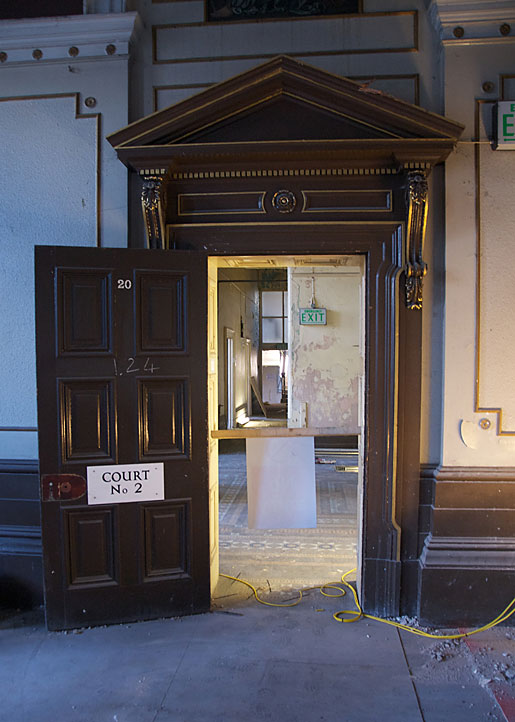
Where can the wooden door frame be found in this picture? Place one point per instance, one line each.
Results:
(391, 448)
(325, 167)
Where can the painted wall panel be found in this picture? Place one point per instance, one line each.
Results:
(341, 34)
(47, 196)
(61, 182)
(480, 223)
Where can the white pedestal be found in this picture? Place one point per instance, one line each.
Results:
(281, 483)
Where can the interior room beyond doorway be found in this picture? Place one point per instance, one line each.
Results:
(290, 384)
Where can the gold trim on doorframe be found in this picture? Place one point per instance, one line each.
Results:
(344, 94)
(388, 224)
(259, 195)
(280, 93)
(258, 81)
(263, 56)
(395, 524)
(152, 209)
(78, 116)
(280, 172)
(415, 266)
(387, 208)
(478, 407)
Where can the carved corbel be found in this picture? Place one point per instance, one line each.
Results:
(152, 207)
(416, 268)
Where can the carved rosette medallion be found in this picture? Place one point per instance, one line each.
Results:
(284, 201)
(416, 268)
(151, 203)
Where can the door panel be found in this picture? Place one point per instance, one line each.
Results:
(122, 379)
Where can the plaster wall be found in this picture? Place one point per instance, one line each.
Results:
(180, 54)
(479, 400)
(401, 57)
(404, 58)
(60, 184)
(326, 362)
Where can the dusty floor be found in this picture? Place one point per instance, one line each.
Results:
(289, 558)
(247, 661)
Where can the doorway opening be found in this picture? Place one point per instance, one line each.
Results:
(290, 383)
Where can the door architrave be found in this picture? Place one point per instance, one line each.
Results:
(287, 158)
(384, 445)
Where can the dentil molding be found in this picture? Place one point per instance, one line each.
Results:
(74, 37)
(471, 22)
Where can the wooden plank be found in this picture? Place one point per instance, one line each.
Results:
(256, 391)
(281, 431)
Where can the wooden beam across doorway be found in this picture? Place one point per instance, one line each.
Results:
(274, 431)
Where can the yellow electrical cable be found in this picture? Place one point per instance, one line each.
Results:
(358, 613)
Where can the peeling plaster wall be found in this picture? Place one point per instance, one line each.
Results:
(326, 362)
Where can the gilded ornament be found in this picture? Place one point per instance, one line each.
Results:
(284, 201)
(152, 210)
(415, 268)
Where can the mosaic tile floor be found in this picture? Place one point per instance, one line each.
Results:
(289, 558)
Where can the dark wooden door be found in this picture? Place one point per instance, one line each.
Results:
(122, 363)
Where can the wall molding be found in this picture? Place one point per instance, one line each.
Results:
(36, 40)
(20, 540)
(97, 118)
(468, 552)
(255, 53)
(461, 22)
(468, 473)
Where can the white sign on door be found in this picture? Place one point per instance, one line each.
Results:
(118, 483)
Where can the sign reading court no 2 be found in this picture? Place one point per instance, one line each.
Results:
(118, 483)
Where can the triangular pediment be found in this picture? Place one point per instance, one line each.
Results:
(282, 101)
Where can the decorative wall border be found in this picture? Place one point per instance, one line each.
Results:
(78, 116)
(277, 172)
(313, 53)
(72, 38)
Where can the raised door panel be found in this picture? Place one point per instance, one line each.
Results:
(84, 311)
(162, 308)
(90, 546)
(87, 421)
(167, 540)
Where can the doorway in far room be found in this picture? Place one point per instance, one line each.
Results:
(276, 377)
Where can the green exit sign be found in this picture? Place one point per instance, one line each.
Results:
(505, 125)
(313, 316)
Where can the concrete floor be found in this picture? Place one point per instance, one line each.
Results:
(245, 661)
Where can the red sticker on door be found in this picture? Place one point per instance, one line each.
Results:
(62, 487)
